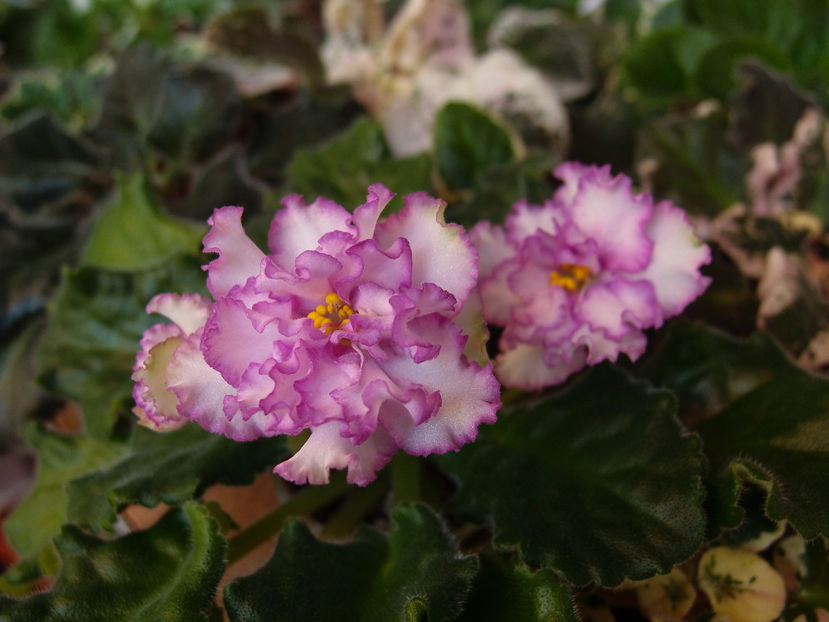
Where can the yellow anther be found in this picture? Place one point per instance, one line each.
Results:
(332, 315)
(571, 277)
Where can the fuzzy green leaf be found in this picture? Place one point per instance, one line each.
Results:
(506, 590)
(169, 572)
(765, 421)
(170, 468)
(343, 168)
(415, 573)
(133, 234)
(40, 515)
(601, 483)
(468, 143)
(97, 319)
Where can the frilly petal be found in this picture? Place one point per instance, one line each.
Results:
(526, 220)
(188, 311)
(677, 257)
(606, 211)
(298, 227)
(390, 268)
(205, 397)
(492, 245)
(155, 404)
(524, 366)
(618, 306)
(326, 449)
(441, 253)
(469, 394)
(239, 258)
(230, 342)
(366, 215)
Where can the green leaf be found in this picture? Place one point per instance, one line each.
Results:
(496, 192)
(132, 234)
(601, 483)
(343, 168)
(697, 167)
(169, 468)
(169, 572)
(766, 422)
(40, 162)
(199, 113)
(68, 94)
(415, 573)
(468, 143)
(131, 100)
(715, 73)
(40, 515)
(506, 590)
(766, 107)
(97, 318)
(662, 64)
(224, 180)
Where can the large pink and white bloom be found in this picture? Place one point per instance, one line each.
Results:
(366, 332)
(577, 280)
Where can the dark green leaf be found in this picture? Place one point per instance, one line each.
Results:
(766, 106)
(132, 234)
(498, 190)
(169, 468)
(97, 319)
(696, 166)
(815, 586)
(169, 572)
(47, 179)
(505, 590)
(343, 168)
(662, 64)
(306, 120)
(224, 180)
(68, 94)
(40, 162)
(199, 113)
(40, 515)
(131, 101)
(602, 483)
(715, 73)
(415, 573)
(770, 423)
(468, 143)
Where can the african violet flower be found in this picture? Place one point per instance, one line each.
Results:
(358, 330)
(577, 280)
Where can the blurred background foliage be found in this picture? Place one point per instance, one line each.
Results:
(123, 124)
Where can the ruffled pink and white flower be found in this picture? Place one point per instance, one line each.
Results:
(366, 332)
(577, 280)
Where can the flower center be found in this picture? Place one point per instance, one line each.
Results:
(332, 315)
(570, 276)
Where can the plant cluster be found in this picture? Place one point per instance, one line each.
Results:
(527, 302)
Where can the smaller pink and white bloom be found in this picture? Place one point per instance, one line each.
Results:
(577, 280)
(366, 332)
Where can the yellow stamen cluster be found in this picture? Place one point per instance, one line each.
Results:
(332, 315)
(571, 277)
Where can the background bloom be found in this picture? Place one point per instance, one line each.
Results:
(358, 330)
(577, 280)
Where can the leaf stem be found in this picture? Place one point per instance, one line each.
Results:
(303, 503)
(358, 503)
(405, 478)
